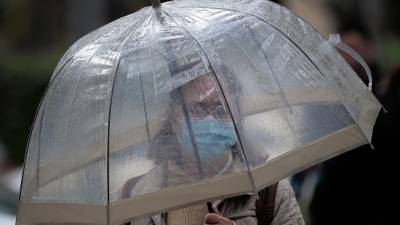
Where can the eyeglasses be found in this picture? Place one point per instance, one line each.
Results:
(199, 110)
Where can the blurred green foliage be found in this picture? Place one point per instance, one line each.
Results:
(35, 64)
(24, 77)
(16, 19)
(391, 52)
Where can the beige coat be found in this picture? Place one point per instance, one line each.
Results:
(242, 210)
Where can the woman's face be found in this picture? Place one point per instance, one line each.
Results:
(206, 127)
(202, 98)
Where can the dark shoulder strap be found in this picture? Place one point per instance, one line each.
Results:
(265, 205)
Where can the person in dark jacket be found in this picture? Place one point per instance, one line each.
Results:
(354, 187)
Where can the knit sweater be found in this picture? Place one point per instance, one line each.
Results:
(193, 215)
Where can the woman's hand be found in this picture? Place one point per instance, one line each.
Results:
(215, 219)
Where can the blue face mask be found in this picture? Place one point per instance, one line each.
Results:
(213, 138)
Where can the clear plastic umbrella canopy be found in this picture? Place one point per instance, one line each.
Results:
(188, 102)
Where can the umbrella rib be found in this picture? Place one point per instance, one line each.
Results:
(277, 82)
(58, 69)
(275, 28)
(55, 76)
(146, 115)
(41, 104)
(265, 21)
(281, 91)
(188, 31)
(184, 109)
(269, 23)
(248, 57)
(196, 5)
(69, 55)
(281, 32)
(119, 57)
(64, 173)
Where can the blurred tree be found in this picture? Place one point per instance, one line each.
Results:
(27, 24)
(48, 24)
(16, 20)
(85, 16)
(392, 18)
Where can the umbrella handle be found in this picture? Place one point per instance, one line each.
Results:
(334, 39)
(155, 3)
(210, 208)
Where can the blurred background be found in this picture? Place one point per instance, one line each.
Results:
(355, 188)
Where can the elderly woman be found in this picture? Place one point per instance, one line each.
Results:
(199, 141)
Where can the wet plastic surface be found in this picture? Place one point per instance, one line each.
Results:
(185, 93)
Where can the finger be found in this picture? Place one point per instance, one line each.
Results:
(212, 218)
(216, 210)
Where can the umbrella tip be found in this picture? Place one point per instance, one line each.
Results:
(372, 146)
(155, 3)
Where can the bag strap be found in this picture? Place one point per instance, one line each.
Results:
(265, 205)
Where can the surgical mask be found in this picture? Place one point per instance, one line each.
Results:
(213, 138)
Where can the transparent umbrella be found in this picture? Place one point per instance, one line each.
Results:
(188, 102)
